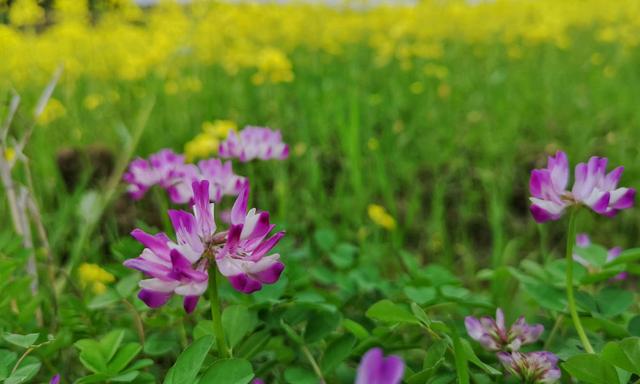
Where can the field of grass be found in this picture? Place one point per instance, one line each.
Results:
(437, 113)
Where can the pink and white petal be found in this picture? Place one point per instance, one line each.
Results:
(255, 225)
(158, 285)
(229, 266)
(244, 283)
(191, 289)
(154, 299)
(203, 209)
(559, 171)
(266, 246)
(622, 198)
(239, 209)
(189, 303)
(544, 210)
(156, 243)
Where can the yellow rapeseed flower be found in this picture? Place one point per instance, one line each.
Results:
(219, 128)
(9, 154)
(52, 111)
(273, 67)
(94, 277)
(201, 146)
(93, 101)
(379, 215)
(25, 13)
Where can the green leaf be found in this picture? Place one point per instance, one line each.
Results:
(337, 352)
(634, 326)
(472, 357)
(325, 239)
(237, 321)
(159, 344)
(229, 371)
(433, 359)
(297, 375)
(591, 368)
(343, 256)
(460, 357)
(293, 335)
(91, 356)
(613, 301)
(624, 354)
(595, 255)
(546, 295)
(253, 344)
(123, 357)
(110, 343)
(356, 329)
(24, 341)
(186, 368)
(320, 324)
(125, 377)
(421, 295)
(388, 312)
(626, 256)
(25, 372)
(420, 314)
(7, 359)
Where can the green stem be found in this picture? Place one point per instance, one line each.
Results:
(216, 317)
(571, 301)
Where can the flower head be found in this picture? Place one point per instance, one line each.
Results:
(532, 368)
(254, 143)
(381, 217)
(377, 369)
(161, 168)
(583, 241)
(243, 258)
(494, 336)
(169, 170)
(93, 276)
(592, 187)
(178, 267)
(55, 379)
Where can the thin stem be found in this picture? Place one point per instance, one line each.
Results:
(137, 320)
(554, 331)
(571, 301)
(314, 364)
(216, 317)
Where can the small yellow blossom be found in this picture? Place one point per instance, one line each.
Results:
(9, 154)
(381, 217)
(220, 128)
(52, 111)
(25, 13)
(94, 277)
(92, 101)
(273, 67)
(201, 146)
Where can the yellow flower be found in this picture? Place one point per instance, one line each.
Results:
(440, 72)
(171, 87)
(300, 149)
(94, 277)
(25, 13)
(273, 67)
(52, 111)
(219, 128)
(201, 146)
(381, 217)
(9, 154)
(93, 101)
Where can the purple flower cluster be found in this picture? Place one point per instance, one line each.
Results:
(181, 267)
(534, 367)
(583, 241)
(254, 143)
(377, 369)
(494, 336)
(592, 187)
(169, 171)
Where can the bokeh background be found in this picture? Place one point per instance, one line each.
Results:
(413, 127)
